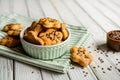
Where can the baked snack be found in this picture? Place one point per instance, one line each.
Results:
(37, 28)
(81, 56)
(32, 37)
(51, 37)
(15, 26)
(64, 31)
(50, 23)
(31, 33)
(47, 31)
(9, 41)
(13, 32)
(13, 29)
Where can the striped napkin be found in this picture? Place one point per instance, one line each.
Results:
(79, 37)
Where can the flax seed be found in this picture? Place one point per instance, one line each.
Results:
(115, 67)
(94, 67)
(83, 71)
(85, 75)
(103, 71)
(110, 66)
(102, 68)
(101, 53)
(118, 70)
(98, 58)
(106, 55)
(72, 67)
(109, 69)
(88, 46)
(86, 72)
(98, 48)
(113, 52)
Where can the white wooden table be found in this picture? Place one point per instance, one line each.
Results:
(98, 16)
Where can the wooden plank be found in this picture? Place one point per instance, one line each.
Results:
(106, 11)
(6, 69)
(116, 2)
(97, 17)
(48, 75)
(6, 6)
(85, 19)
(34, 9)
(66, 16)
(6, 65)
(110, 5)
(49, 11)
(19, 7)
(26, 72)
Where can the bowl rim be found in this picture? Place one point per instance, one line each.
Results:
(110, 37)
(22, 33)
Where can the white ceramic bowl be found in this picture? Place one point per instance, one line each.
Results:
(44, 52)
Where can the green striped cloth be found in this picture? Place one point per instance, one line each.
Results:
(79, 37)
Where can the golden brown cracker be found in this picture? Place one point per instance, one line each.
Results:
(81, 56)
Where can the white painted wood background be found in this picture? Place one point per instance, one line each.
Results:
(98, 16)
